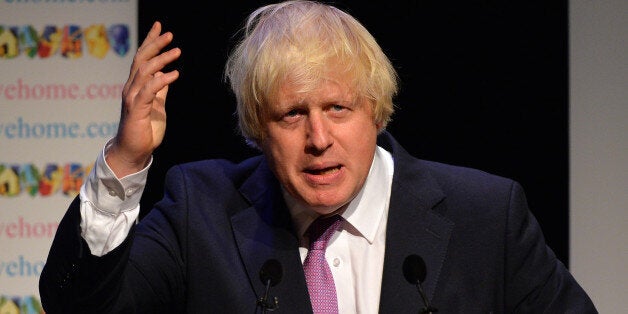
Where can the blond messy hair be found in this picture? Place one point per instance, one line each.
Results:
(296, 42)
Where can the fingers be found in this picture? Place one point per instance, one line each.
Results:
(151, 47)
(148, 59)
(156, 89)
(147, 82)
(153, 43)
(153, 33)
(147, 70)
(151, 39)
(163, 80)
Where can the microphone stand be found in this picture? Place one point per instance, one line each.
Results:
(263, 301)
(428, 309)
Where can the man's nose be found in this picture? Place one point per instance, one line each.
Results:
(319, 133)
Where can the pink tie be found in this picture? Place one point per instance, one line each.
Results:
(320, 282)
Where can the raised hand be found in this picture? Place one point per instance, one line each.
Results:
(143, 114)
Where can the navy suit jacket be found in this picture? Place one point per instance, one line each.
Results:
(200, 249)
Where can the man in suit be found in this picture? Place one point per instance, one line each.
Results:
(314, 94)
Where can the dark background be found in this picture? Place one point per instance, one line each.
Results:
(484, 84)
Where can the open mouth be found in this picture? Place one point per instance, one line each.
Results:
(323, 171)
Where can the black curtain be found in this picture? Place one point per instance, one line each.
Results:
(484, 84)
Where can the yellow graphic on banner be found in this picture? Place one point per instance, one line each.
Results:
(27, 305)
(16, 179)
(66, 41)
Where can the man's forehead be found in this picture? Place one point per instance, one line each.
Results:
(325, 90)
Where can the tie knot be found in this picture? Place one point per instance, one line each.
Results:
(321, 230)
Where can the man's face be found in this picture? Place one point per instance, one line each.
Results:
(320, 144)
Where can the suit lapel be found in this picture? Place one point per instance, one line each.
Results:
(414, 227)
(264, 231)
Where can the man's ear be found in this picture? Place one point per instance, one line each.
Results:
(379, 125)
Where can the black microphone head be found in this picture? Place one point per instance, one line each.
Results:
(271, 270)
(414, 269)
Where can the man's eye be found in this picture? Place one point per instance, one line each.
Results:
(292, 115)
(337, 107)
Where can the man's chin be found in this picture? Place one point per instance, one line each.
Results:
(325, 202)
(325, 210)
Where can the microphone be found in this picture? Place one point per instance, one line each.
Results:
(270, 275)
(415, 271)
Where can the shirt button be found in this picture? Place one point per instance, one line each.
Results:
(336, 262)
(112, 192)
(129, 191)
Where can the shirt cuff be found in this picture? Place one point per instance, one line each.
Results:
(109, 194)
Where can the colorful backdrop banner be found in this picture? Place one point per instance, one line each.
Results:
(62, 68)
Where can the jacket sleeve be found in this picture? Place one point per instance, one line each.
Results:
(536, 281)
(73, 280)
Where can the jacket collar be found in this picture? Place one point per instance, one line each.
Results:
(415, 226)
(264, 231)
